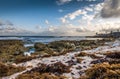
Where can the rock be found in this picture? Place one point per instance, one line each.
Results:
(114, 55)
(52, 68)
(79, 67)
(99, 61)
(27, 54)
(71, 62)
(40, 46)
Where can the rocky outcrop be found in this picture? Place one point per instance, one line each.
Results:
(8, 69)
(10, 49)
(43, 71)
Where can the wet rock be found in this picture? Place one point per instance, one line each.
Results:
(80, 72)
(114, 55)
(84, 66)
(72, 73)
(79, 67)
(99, 61)
(71, 62)
(9, 69)
(102, 71)
(10, 49)
(81, 54)
(52, 68)
(40, 46)
(61, 46)
(79, 60)
(36, 75)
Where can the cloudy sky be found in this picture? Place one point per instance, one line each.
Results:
(58, 17)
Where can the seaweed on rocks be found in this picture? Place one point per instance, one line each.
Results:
(37, 75)
(103, 71)
(9, 49)
(52, 68)
(43, 71)
(8, 69)
(114, 55)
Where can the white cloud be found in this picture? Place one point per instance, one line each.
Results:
(79, 0)
(1, 23)
(75, 14)
(91, 22)
(51, 29)
(14, 31)
(61, 2)
(8, 28)
(83, 12)
(72, 16)
(66, 30)
(111, 9)
(38, 27)
(46, 21)
(64, 20)
(88, 23)
(60, 10)
(8, 23)
(89, 9)
(86, 0)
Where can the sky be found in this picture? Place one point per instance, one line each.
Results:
(58, 17)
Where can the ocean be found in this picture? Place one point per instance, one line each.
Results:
(44, 39)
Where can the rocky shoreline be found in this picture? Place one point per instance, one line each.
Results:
(62, 59)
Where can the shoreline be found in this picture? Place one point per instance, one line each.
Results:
(78, 64)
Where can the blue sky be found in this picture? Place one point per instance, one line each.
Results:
(31, 14)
